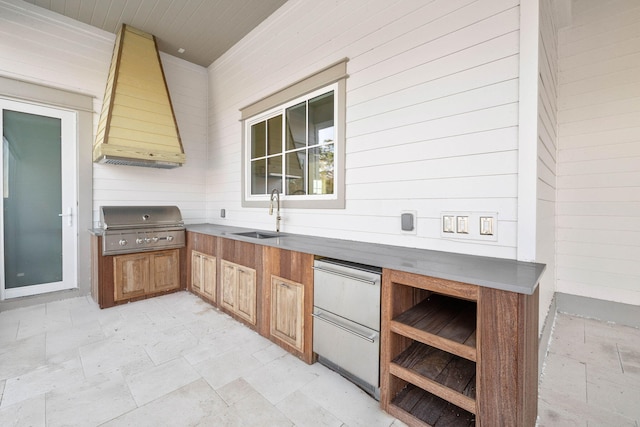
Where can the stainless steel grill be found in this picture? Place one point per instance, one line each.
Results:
(131, 229)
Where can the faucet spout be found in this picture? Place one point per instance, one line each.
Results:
(275, 194)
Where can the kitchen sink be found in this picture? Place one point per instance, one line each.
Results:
(257, 234)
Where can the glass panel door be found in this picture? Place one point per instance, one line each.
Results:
(39, 199)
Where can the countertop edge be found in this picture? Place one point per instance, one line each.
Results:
(496, 273)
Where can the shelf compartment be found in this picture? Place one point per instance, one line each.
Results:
(443, 322)
(416, 406)
(446, 375)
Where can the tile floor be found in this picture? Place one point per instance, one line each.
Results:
(591, 375)
(176, 361)
(167, 361)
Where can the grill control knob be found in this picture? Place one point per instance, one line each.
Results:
(139, 241)
(155, 240)
(169, 238)
(147, 239)
(122, 242)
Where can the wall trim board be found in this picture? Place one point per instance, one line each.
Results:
(608, 311)
(545, 334)
(527, 130)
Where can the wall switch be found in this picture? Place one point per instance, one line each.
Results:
(463, 224)
(448, 224)
(486, 226)
(223, 213)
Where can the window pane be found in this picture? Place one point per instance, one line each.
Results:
(296, 126)
(274, 177)
(274, 136)
(321, 170)
(258, 139)
(258, 176)
(295, 173)
(321, 120)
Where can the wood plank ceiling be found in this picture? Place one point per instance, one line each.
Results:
(204, 28)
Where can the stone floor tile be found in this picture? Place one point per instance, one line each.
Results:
(89, 403)
(221, 370)
(170, 344)
(564, 377)
(73, 337)
(42, 380)
(280, 377)
(346, 401)
(22, 356)
(235, 391)
(189, 405)
(150, 384)
(305, 412)
(111, 354)
(255, 411)
(30, 412)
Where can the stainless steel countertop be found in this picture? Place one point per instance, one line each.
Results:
(498, 273)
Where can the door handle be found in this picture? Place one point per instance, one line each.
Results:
(69, 216)
(319, 316)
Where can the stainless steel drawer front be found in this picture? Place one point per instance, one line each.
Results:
(349, 293)
(352, 347)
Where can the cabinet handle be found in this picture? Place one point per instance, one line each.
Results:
(348, 276)
(285, 285)
(319, 316)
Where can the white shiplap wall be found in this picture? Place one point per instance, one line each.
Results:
(432, 115)
(547, 152)
(40, 46)
(598, 249)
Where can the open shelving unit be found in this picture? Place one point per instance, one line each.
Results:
(432, 354)
(453, 353)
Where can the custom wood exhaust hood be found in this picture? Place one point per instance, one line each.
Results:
(137, 124)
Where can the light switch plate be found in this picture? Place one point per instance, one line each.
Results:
(486, 226)
(462, 224)
(448, 224)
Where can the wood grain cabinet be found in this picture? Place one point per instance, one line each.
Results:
(287, 312)
(203, 275)
(239, 290)
(456, 354)
(136, 275)
(288, 300)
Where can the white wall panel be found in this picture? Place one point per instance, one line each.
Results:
(599, 153)
(40, 46)
(432, 115)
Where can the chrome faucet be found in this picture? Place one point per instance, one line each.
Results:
(275, 193)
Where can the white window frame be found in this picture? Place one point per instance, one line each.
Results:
(331, 77)
(281, 110)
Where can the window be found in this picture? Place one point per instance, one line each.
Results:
(292, 148)
(296, 146)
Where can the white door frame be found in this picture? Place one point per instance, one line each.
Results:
(69, 142)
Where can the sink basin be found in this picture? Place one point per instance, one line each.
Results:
(257, 234)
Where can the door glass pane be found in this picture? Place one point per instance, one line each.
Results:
(32, 191)
(274, 136)
(321, 169)
(295, 173)
(296, 126)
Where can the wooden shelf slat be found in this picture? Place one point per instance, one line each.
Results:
(417, 407)
(434, 387)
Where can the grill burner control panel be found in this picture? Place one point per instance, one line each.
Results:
(125, 242)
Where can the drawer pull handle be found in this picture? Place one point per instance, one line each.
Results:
(348, 276)
(370, 338)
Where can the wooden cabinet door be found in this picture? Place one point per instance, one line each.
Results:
(196, 271)
(208, 277)
(165, 270)
(229, 281)
(287, 311)
(246, 294)
(130, 276)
